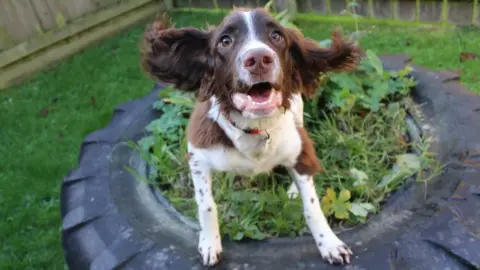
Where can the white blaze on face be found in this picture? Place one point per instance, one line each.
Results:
(252, 42)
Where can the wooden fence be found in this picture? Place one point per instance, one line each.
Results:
(455, 12)
(23, 19)
(37, 33)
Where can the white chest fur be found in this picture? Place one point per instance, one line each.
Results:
(278, 145)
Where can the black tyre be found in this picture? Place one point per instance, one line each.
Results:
(112, 220)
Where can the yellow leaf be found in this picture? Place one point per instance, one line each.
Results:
(344, 195)
(325, 200)
(348, 206)
(342, 215)
(326, 205)
(331, 194)
(326, 209)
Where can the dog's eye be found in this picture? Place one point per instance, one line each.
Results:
(225, 41)
(275, 35)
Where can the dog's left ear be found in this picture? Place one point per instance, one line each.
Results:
(311, 60)
(179, 56)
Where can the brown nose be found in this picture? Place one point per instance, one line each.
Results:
(258, 61)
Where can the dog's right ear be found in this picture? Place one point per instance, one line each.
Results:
(311, 60)
(180, 56)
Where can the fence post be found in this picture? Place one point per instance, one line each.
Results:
(168, 4)
(215, 4)
(417, 11)
(371, 11)
(328, 7)
(445, 11)
(394, 6)
(304, 5)
(475, 12)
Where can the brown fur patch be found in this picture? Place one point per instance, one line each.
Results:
(203, 132)
(310, 60)
(307, 162)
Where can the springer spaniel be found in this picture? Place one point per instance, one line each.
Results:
(249, 74)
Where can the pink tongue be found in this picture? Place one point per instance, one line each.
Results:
(260, 96)
(243, 102)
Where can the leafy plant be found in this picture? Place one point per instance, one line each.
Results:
(338, 206)
(367, 87)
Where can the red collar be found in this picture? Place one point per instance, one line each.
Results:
(247, 130)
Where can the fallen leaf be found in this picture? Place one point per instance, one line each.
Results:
(357, 210)
(361, 209)
(93, 101)
(464, 56)
(407, 42)
(406, 166)
(44, 112)
(60, 138)
(409, 161)
(359, 176)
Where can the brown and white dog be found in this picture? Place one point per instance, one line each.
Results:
(249, 74)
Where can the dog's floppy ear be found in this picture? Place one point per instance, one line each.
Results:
(179, 56)
(311, 60)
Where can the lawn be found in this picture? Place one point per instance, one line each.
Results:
(45, 119)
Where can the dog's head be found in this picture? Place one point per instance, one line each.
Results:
(250, 62)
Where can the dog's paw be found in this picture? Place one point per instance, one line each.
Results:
(334, 251)
(210, 250)
(292, 191)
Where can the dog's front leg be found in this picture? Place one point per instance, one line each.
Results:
(332, 249)
(209, 245)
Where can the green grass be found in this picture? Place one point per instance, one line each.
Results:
(36, 151)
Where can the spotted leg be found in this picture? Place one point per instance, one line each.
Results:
(209, 245)
(331, 248)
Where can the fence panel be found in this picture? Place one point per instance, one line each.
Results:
(21, 19)
(18, 20)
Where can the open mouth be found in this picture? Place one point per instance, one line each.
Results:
(260, 98)
(261, 93)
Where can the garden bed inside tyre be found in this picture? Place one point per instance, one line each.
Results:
(112, 220)
(362, 126)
